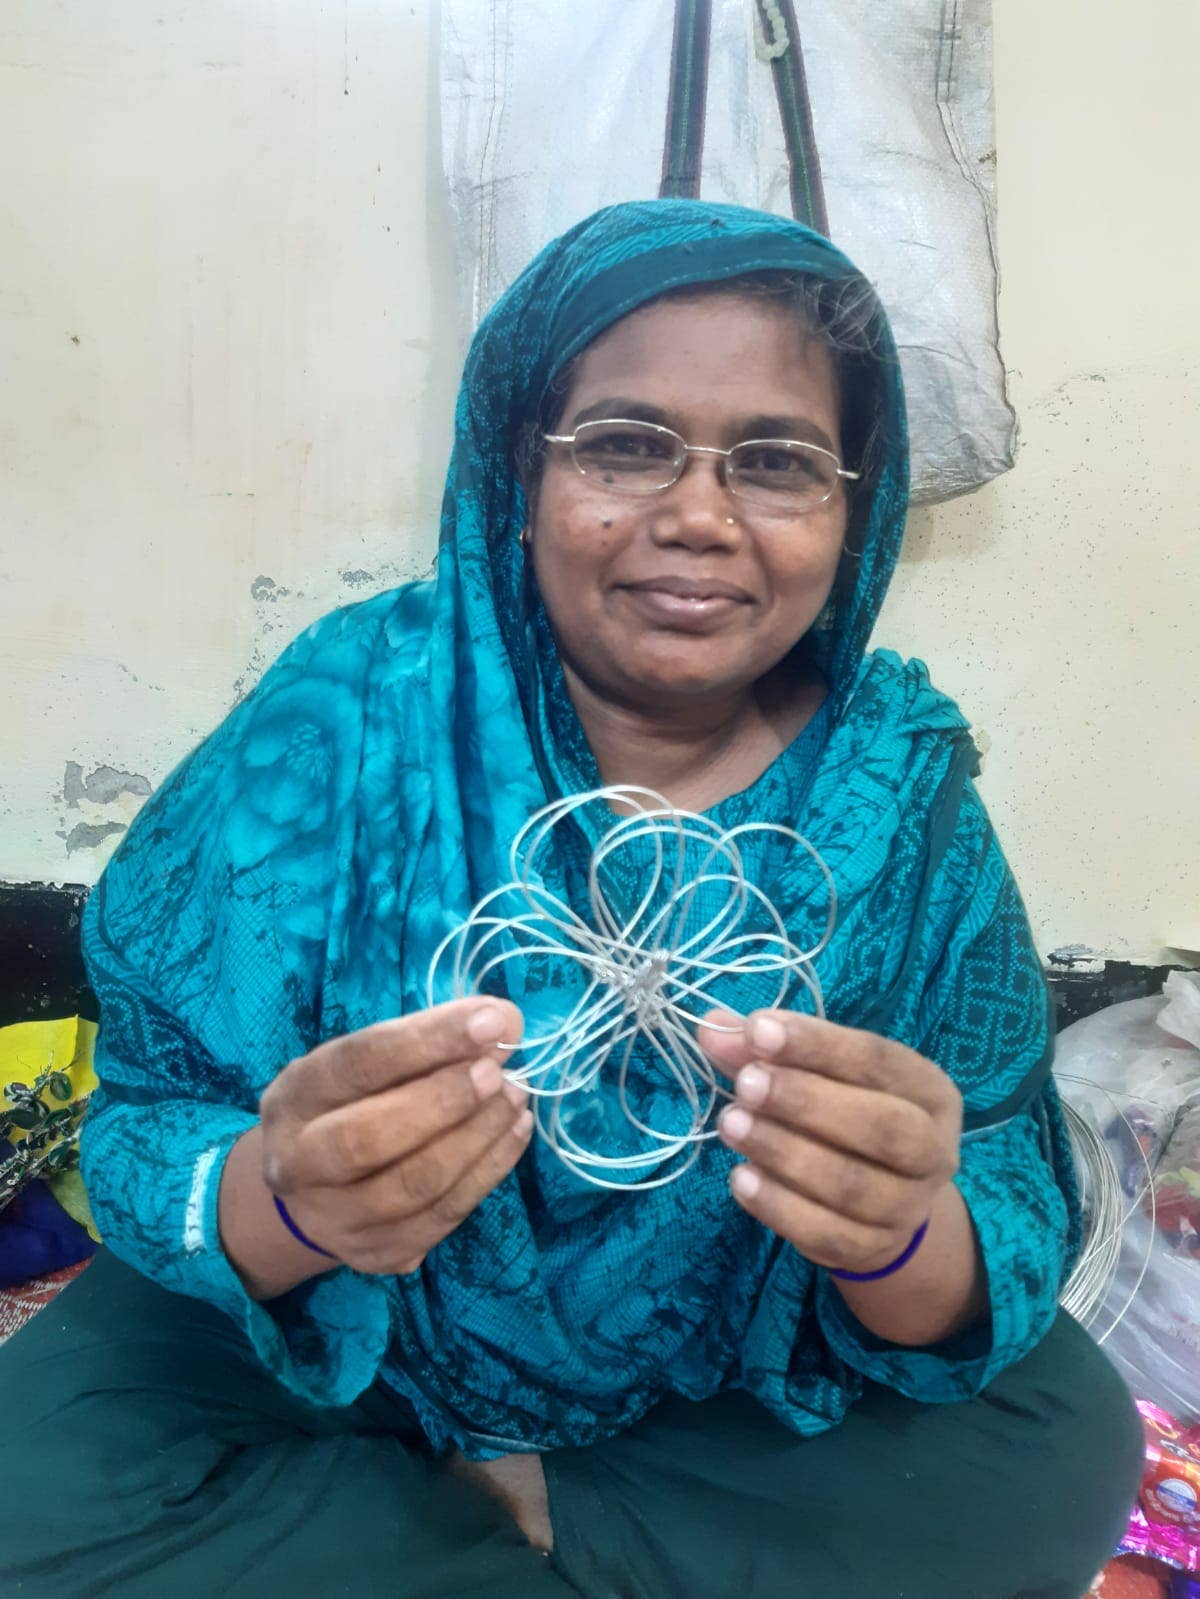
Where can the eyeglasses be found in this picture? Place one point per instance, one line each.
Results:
(787, 475)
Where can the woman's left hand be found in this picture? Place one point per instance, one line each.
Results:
(849, 1137)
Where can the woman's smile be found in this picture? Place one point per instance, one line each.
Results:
(688, 604)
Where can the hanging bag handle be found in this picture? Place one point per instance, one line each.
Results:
(777, 42)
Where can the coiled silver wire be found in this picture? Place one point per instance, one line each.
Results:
(1106, 1210)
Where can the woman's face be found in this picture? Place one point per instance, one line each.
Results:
(717, 369)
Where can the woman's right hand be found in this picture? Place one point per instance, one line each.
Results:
(380, 1143)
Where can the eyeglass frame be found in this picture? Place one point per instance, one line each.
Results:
(696, 449)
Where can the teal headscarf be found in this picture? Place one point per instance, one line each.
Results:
(291, 880)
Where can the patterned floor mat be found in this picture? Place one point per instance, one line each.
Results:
(19, 1305)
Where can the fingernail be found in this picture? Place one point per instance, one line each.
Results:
(745, 1182)
(523, 1125)
(486, 1025)
(487, 1077)
(514, 1093)
(735, 1123)
(753, 1084)
(766, 1034)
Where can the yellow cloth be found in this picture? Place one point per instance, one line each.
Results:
(68, 1189)
(29, 1050)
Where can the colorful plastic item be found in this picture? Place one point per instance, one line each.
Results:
(1165, 1522)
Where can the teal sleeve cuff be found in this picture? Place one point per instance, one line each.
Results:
(325, 1341)
(1020, 1220)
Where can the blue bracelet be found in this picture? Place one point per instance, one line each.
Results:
(295, 1231)
(885, 1271)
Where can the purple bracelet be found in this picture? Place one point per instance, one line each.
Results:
(885, 1271)
(295, 1231)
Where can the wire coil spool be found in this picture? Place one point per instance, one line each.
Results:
(1106, 1212)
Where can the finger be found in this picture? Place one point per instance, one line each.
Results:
(842, 1183)
(353, 1141)
(402, 1247)
(818, 1233)
(422, 1181)
(877, 1127)
(721, 1034)
(358, 1065)
(847, 1054)
(391, 1197)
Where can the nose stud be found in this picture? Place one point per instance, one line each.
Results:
(728, 521)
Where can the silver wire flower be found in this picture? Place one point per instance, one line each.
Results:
(649, 975)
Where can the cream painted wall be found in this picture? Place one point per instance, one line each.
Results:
(226, 407)
(226, 307)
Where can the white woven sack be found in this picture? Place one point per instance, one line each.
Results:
(550, 111)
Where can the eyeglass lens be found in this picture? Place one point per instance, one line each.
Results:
(639, 458)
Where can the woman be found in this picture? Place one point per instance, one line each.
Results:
(827, 1359)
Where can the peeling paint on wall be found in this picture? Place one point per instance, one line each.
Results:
(266, 588)
(86, 835)
(265, 592)
(105, 785)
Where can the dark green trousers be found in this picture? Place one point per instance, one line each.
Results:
(146, 1455)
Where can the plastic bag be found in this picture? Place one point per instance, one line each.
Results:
(1133, 1071)
(551, 111)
